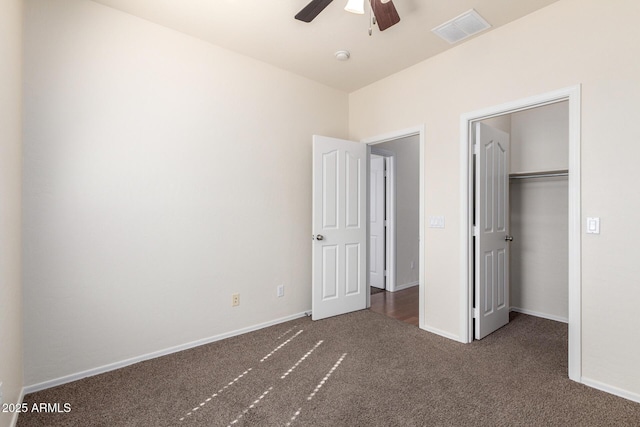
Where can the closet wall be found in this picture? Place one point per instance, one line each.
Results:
(539, 212)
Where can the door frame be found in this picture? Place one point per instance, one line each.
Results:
(392, 136)
(571, 94)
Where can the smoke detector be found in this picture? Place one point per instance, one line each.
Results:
(462, 26)
(342, 55)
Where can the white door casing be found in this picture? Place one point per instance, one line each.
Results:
(491, 230)
(573, 95)
(377, 221)
(339, 215)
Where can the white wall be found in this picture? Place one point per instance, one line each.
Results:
(407, 166)
(539, 139)
(539, 268)
(11, 12)
(503, 123)
(539, 212)
(511, 63)
(161, 175)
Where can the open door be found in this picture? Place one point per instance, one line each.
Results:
(339, 227)
(377, 229)
(491, 230)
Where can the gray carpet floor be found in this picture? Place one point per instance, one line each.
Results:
(360, 369)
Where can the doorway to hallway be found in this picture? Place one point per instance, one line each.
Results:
(401, 305)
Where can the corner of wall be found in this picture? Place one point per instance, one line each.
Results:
(11, 314)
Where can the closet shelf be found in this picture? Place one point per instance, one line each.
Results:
(541, 174)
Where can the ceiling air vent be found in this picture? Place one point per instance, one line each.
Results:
(461, 27)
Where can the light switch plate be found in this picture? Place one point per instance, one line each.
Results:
(593, 225)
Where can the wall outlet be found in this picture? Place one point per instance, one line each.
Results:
(436, 222)
(235, 300)
(280, 291)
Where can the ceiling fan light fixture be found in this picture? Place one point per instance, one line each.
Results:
(355, 6)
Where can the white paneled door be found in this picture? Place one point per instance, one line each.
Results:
(339, 227)
(491, 230)
(376, 221)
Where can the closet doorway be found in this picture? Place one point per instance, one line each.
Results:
(468, 122)
(535, 244)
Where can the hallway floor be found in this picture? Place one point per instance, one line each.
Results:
(401, 305)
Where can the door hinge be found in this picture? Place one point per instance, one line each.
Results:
(476, 313)
(385, 273)
(475, 230)
(476, 149)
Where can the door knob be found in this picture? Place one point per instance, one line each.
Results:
(508, 238)
(319, 237)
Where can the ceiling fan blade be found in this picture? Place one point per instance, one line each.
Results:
(385, 13)
(310, 11)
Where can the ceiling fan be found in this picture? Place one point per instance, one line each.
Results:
(384, 11)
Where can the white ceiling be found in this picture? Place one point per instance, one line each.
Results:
(266, 30)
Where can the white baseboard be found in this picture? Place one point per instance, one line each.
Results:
(14, 420)
(611, 389)
(117, 365)
(442, 333)
(404, 286)
(538, 314)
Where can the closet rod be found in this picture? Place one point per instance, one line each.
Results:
(545, 174)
